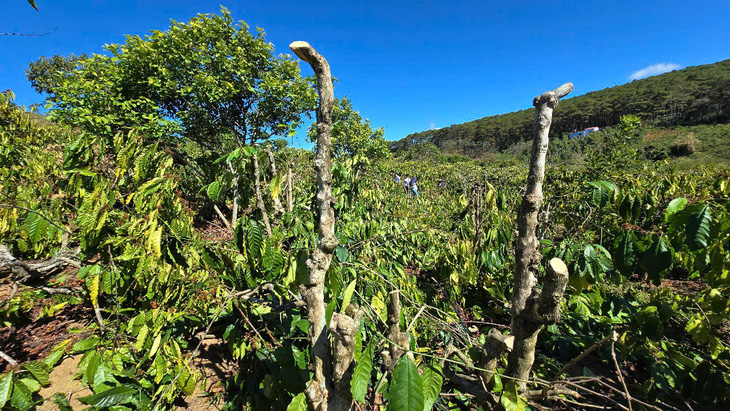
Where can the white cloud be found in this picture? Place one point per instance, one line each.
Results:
(653, 70)
(432, 126)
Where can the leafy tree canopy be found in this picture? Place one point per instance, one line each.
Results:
(45, 73)
(208, 80)
(351, 134)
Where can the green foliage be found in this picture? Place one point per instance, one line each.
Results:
(362, 372)
(46, 73)
(209, 80)
(628, 123)
(113, 396)
(136, 199)
(511, 400)
(406, 388)
(351, 135)
(433, 379)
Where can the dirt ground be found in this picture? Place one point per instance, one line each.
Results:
(215, 367)
(62, 381)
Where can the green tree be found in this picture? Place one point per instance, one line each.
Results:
(352, 135)
(45, 73)
(209, 81)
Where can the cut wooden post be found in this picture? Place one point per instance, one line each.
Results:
(289, 204)
(399, 338)
(257, 191)
(236, 179)
(321, 386)
(528, 315)
(278, 208)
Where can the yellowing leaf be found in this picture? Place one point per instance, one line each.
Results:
(94, 291)
(348, 295)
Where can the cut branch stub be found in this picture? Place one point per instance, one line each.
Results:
(547, 307)
(343, 328)
(399, 338)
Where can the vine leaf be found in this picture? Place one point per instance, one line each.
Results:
(22, 397)
(361, 374)
(39, 371)
(432, 379)
(342, 253)
(116, 395)
(699, 220)
(214, 191)
(625, 254)
(348, 295)
(602, 191)
(658, 258)
(674, 207)
(32, 4)
(298, 403)
(6, 388)
(255, 239)
(94, 291)
(276, 185)
(406, 389)
(511, 399)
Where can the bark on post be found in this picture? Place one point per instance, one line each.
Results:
(343, 328)
(400, 338)
(257, 191)
(236, 179)
(278, 208)
(321, 386)
(289, 204)
(531, 307)
(494, 347)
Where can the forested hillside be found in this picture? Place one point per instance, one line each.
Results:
(691, 96)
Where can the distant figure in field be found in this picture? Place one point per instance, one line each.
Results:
(406, 183)
(397, 178)
(414, 186)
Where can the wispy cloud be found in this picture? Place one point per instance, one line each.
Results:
(653, 70)
(432, 126)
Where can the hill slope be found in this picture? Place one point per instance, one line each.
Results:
(694, 95)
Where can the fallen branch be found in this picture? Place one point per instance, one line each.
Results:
(8, 358)
(222, 217)
(24, 271)
(62, 290)
(580, 357)
(614, 337)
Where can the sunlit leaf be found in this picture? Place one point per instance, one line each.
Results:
(406, 387)
(361, 374)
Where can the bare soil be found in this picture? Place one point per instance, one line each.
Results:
(62, 381)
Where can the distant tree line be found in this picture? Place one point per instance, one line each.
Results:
(692, 96)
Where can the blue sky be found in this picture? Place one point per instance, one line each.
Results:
(411, 66)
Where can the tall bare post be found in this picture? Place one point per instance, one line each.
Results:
(532, 307)
(236, 178)
(321, 385)
(289, 204)
(278, 208)
(257, 191)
